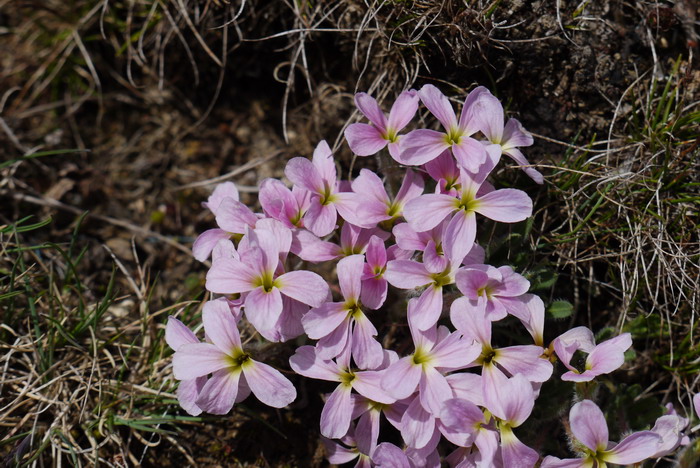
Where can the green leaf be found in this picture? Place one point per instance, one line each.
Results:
(560, 309)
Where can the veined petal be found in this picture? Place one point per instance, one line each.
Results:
(411, 187)
(366, 350)
(515, 135)
(376, 253)
(454, 352)
(459, 236)
(403, 110)
(369, 107)
(263, 309)
(467, 118)
(588, 425)
(220, 326)
(515, 453)
(177, 334)
(505, 205)
(525, 360)
(488, 115)
(323, 162)
(470, 154)
(337, 343)
(310, 248)
(401, 378)
(322, 320)
(427, 211)
(364, 139)
(461, 415)
(336, 414)
(633, 448)
(374, 291)
(554, 462)
(428, 308)
(406, 274)
(223, 190)
(234, 216)
(438, 105)
(303, 174)
(320, 219)
(417, 425)
(206, 241)
(268, 384)
(369, 185)
(467, 386)
(434, 391)
(197, 359)
(387, 455)
(187, 393)
(306, 362)
(517, 156)
(304, 286)
(229, 276)
(609, 355)
(350, 276)
(219, 393)
(369, 385)
(420, 146)
(468, 316)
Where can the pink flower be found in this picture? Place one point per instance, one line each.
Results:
(510, 137)
(423, 145)
(590, 429)
(257, 272)
(282, 204)
(337, 412)
(602, 359)
(177, 335)
(376, 204)
(436, 351)
(234, 373)
(427, 211)
(495, 290)
(338, 325)
(320, 179)
(366, 140)
(353, 240)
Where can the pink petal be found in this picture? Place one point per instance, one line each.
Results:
(364, 139)
(588, 425)
(609, 355)
(223, 190)
(467, 386)
(310, 248)
(268, 384)
(515, 453)
(434, 391)
(454, 352)
(374, 291)
(515, 135)
(438, 105)
(428, 308)
(469, 318)
(322, 320)
(518, 157)
(459, 236)
(401, 378)
(306, 362)
(403, 110)
(696, 404)
(633, 448)
(406, 274)
(320, 219)
(219, 393)
(411, 187)
(206, 241)
(376, 253)
(234, 216)
(350, 276)
(488, 114)
(369, 185)
(338, 454)
(324, 164)
(461, 415)
(220, 326)
(229, 276)
(421, 146)
(336, 414)
(177, 334)
(525, 360)
(505, 205)
(571, 341)
(304, 286)
(302, 173)
(433, 262)
(366, 350)
(263, 309)
(417, 425)
(387, 455)
(512, 283)
(470, 109)
(349, 206)
(369, 385)
(187, 393)
(337, 342)
(554, 462)
(470, 154)
(198, 359)
(470, 280)
(427, 211)
(369, 107)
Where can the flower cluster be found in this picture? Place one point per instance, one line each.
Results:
(396, 253)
